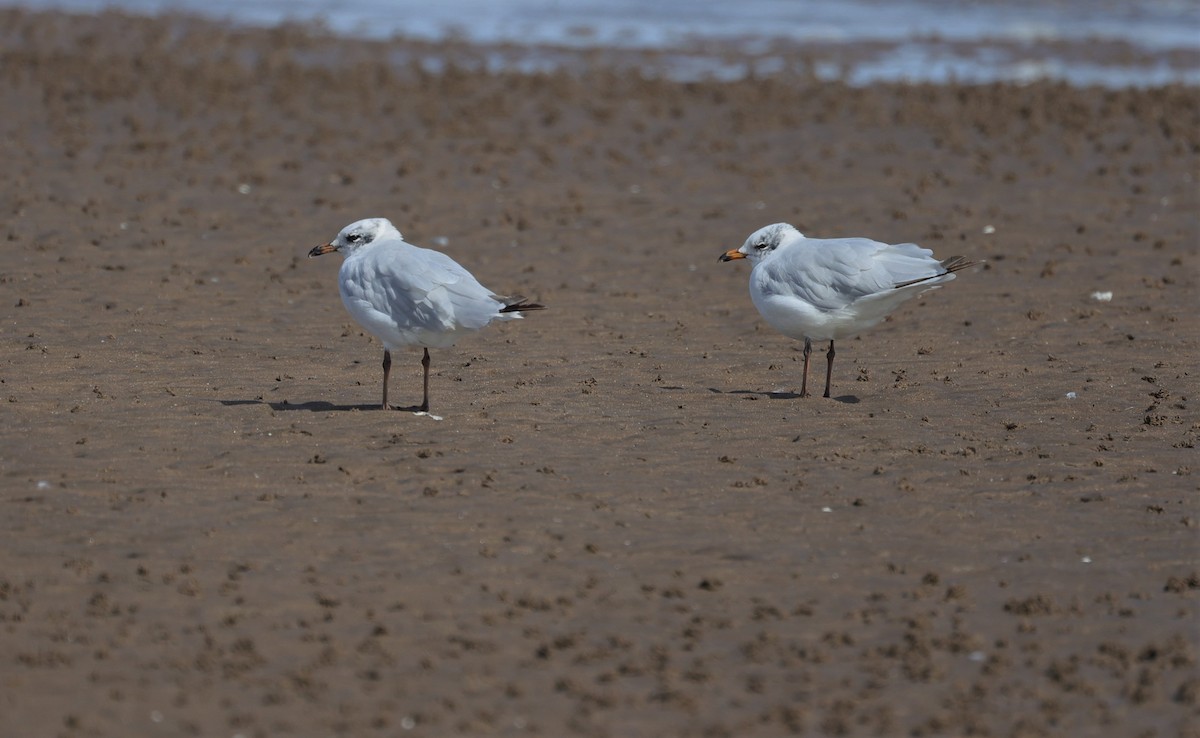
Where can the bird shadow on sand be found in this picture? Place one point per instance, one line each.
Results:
(845, 399)
(318, 406)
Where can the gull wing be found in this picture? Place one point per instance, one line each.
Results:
(832, 274)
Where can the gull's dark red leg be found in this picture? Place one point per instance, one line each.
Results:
(425, 365)
(387, 369)
(829, 369)
(804, 382)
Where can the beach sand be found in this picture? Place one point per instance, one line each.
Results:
(627, 523)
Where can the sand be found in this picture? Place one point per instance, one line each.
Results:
(627, 523)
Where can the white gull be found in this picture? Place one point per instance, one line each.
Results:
(823, 289)
(405, 295)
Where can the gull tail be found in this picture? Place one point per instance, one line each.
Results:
(517, 304)
(957, 263)
(950, 266)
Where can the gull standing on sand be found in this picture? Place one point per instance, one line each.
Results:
(824, 289)
(409, 296)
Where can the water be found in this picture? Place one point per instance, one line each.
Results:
(1106, 42)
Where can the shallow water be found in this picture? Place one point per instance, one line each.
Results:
(1115, 43)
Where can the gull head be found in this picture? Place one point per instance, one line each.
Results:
(763, 242)
(358, 234)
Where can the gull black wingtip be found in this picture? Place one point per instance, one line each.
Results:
(519, 304)
(959, 263)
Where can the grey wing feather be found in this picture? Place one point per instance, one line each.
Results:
(470, 304)
(838, 272)
(438, 291)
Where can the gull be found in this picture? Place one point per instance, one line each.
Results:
(405, 295)
(824, 289)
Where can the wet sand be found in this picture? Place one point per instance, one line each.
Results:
(627, 523)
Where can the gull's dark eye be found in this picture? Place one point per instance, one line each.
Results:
(760, 245)
(354, 237)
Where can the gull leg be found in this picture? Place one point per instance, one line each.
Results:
(425, 365)
(804, 382)
(387, 369)
(829, 368)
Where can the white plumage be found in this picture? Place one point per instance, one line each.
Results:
(405, 295)
(819, 289)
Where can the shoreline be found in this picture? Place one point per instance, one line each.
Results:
(1109, 64)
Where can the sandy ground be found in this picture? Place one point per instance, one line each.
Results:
(627, 524)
